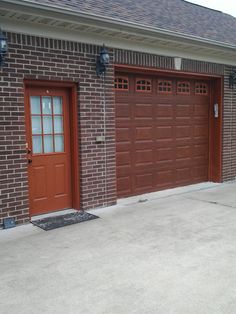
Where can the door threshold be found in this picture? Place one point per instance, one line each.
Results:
(53, 214)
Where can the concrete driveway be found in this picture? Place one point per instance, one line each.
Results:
(174, 253)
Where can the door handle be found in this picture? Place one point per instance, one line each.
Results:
(29, 160)
(28, 154)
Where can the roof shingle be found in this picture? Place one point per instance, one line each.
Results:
(174, 15)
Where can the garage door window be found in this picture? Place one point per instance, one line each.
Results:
(183, 88)
(201, 89)
(164, 87)
(143, 85)
(122, 83)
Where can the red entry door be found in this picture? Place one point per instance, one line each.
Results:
(48, 149)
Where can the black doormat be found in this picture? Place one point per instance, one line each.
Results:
(54, 222)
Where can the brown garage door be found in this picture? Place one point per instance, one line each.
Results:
(162, 132)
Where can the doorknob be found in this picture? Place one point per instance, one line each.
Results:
(28, 152)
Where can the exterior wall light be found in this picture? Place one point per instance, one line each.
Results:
(3, 48)
(232, 79)
(102, 61)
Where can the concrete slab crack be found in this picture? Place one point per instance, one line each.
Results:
(209, 202)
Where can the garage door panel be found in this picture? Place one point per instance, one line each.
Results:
(124, 171)
(183, 121)
(183, 162)
(183, 151)
(164, 132)
(200, 130)
(124, 185)
(123, 111)
(163, 121)
(164, 178)
(124, 158)
(164, 143)
(143, 111)
(142, 145)
(200, 141)
(123, 124)
(143, 133)
(123, 134)
(165, 154)
(200, 150)
(200, 172)
(164, 165)
(144, 181)
(183, 110)
(201, 160)
(162, 139)
(183, 175)
(143, 157)
(124, 146)
(201, 121)
(201, 111)
(184, 141)
(183, 131)
(163, 111)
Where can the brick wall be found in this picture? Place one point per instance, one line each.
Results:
(160, 62)
(229, 127)
(46, 59)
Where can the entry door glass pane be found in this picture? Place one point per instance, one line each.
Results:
(48, 144)
(47, 125)
(58, 124)
(35, 105)
(37, 145)
(59, 143)
(47, 105)
(36, 125)
(57, 105)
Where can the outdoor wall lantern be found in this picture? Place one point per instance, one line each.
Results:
(3, 48)
(102, 61)
(232, 79)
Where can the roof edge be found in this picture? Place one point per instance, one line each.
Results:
(116, 22)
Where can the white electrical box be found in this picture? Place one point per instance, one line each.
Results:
(100, 139)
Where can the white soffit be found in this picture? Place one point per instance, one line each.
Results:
(56, 25)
